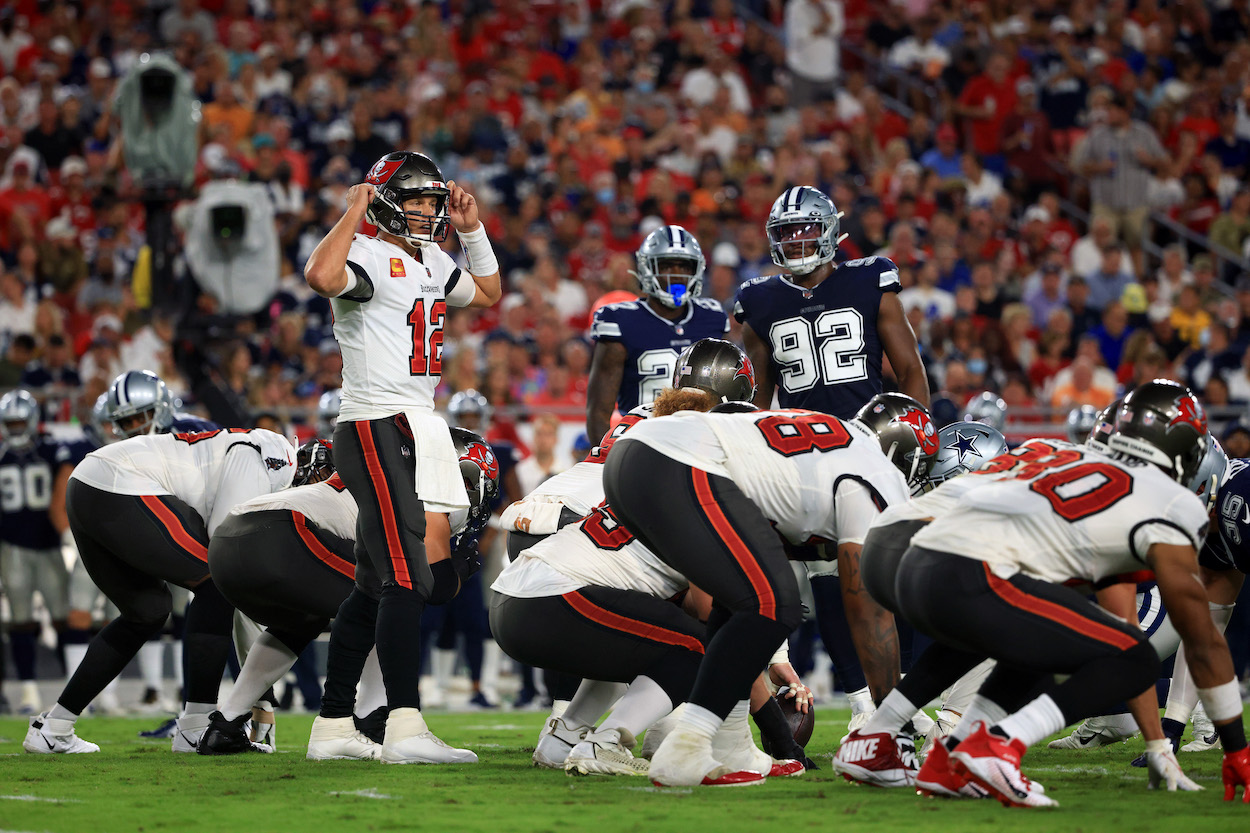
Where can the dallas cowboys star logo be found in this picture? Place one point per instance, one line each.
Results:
(964, 444)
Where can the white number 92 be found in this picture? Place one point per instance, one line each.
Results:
(829, 351)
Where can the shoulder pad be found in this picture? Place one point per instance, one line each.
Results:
(759, 280)
(709, 303)
(884, 268)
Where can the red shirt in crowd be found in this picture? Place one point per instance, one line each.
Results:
(1000, 98)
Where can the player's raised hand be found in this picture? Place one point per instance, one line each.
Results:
(461, 208)
(1164, 768)
(359, 196)
(1236, 773)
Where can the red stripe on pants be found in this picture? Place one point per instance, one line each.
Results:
(737, 547)
(1058, 614)
(390, 524)
(617, 622)
(319, 550)
(173, 524)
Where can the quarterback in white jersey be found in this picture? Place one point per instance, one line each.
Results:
(390, 296)
(141, 511)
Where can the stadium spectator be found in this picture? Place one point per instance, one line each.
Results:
(812, 30)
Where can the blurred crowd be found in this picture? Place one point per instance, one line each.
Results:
(957, 136)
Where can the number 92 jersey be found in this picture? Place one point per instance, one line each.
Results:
(652, 343)
(26, 479)
(1228, 543)
(826, 353)
(1065, 513)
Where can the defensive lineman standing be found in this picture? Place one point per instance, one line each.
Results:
(390, 295)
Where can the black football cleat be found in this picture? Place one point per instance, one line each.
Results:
(225, 737)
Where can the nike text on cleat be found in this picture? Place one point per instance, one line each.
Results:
(880, 759)
(336, 739)
(993, 763)
(555, 743)
(936, 778)
(54, 737)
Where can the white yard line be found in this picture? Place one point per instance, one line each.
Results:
(369, 793)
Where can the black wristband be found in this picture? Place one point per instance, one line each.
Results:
(1232, 735)
(1173, 728)
(446, 583)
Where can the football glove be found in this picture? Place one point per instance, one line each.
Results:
(1236, 773)
(1162, 764)
(465, 559)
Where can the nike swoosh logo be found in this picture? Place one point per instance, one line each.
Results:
(45, 740)
(187, 740)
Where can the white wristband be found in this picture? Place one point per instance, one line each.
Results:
(782, 654)
(478, 251)
(1223, 702)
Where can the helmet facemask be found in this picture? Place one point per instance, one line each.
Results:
(17, 433)
(387, 212)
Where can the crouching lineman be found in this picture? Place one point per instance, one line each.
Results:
(308, 534)
(142, 512)
(987, 579)
(720, 497)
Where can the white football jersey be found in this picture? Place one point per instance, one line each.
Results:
(392, 343)
(790, 463)
(328, 504)
(1066, 513)
(211, 471)
(931, 504)
(599, 552)
(579, 488)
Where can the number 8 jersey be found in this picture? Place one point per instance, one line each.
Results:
(1066, 513)
(392, 342)
(826, 352)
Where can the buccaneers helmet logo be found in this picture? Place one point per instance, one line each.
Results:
(382, 171)
(1189, 412)
(484, 458)
(745, 371)
(922, 427)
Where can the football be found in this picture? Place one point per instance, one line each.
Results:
(801, 724)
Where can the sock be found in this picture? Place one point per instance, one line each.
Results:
(106, 656)
(443, 666)
(210, 619)
(371, 693)
(590, 701)
(74, 653)
(152, 664)
(59, 712)
(700, 721)
(1034, 722)
(980, 710)
(397, 633)
(775, 728)
(893, 713)
(642, 704)
(22, 645)
(860, 700)
(266, 662)
(190, 709)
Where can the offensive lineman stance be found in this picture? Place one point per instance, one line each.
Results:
(390, 295)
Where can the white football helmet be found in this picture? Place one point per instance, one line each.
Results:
(806, 217)
(19, 418)
(661, 272)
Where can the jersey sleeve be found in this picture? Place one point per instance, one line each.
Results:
(744, 304)
(1182, 523)
(878, 268)
(359, 258)
(459, 289)
(606, 325)
(712, 305)
(243, 477)
(854, 510)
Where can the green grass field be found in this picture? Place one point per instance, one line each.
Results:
(139, 785)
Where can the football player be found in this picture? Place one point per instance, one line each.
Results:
(30, 545)
(725, 499)
(308, 534)
(637, 342)
(390, 294)
(142, 511)
(817, 335)
(986, 577)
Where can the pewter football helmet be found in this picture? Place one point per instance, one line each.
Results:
(139, 403)
(905, 430)
(19, 418)
(807, 217)
(659, 256)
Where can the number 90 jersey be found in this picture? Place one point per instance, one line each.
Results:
(815, 477)
(26, 479)
(826, 352)
(1066, 513)
(652, 344)
(392, 340)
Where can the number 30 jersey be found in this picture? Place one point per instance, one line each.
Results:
(652, 344)
(815, 477)
(392, 342)
(826, 352)
(1066, 513)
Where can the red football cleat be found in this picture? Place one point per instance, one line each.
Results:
(993, 763)
(880, 759)
(786, 769)
(936, 778)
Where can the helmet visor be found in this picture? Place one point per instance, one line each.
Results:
(796, 240)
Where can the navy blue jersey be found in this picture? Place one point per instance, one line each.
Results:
(74, 451)
(507, 455)
(1228, 542)
(26, 478)
(188, 424)
(826, 352)
(653, 343)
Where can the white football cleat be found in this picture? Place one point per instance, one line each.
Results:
(1098, 731)
(336, 739)
(734, 746)
(659, 730)
(55, 737)
(942, 727)
(188, 731)
(409, 741)
(556, 742)
(685, 759)
(606, 753)
(922, 723)
(1205, 736)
